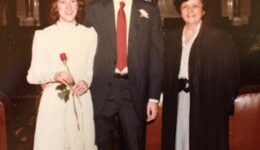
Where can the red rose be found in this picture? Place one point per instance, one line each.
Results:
(63, 57)
(64, 92)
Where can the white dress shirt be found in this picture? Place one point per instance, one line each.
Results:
(127, 10)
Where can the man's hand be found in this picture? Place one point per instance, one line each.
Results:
(80, 88)
(152, 110)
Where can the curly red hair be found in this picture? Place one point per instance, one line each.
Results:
(54, 14)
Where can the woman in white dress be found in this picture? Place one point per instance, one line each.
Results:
(64, 123)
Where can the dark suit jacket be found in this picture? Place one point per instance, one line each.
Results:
(145, 47)
(214, 80)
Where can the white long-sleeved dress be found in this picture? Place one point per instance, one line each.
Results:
(56, 127)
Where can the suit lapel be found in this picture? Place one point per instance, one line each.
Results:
(178, 39)
(109, 21)
(197, 53)
(133, 26)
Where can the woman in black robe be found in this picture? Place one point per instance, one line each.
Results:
(201, 69)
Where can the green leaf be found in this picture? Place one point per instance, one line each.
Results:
(66, 98)
(61, 87)
(64, 92)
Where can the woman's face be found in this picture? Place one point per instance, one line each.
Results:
(67, 10)
(192, 11)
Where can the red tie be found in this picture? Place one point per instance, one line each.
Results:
(121, 61)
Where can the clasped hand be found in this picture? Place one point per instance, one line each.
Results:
(66, 78)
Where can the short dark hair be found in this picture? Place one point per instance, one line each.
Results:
(177, 4)
(54, 14)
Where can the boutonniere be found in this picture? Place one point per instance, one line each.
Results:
(143, 14)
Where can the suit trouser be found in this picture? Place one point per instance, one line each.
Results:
(119, 122)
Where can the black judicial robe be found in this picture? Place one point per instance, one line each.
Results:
(214, 81)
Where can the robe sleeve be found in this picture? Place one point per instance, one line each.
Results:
(231, 72)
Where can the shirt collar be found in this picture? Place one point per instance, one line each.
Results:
(195, 34)
(126, 1)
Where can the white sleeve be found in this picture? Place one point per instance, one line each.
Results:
(38, 72)
(91, 48)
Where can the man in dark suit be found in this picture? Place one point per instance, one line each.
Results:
(126, 85)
